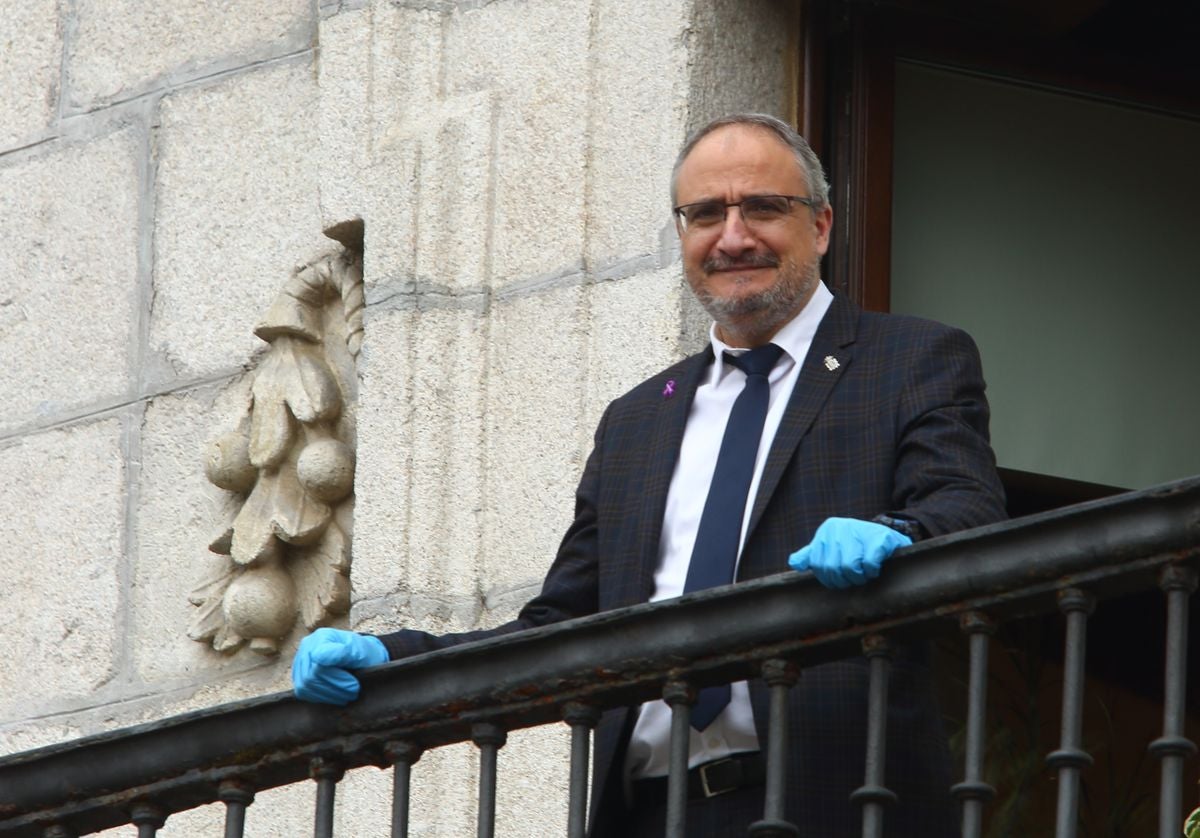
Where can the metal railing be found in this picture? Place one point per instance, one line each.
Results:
(1063, 560)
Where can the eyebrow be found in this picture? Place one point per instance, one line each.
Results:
(723, 201)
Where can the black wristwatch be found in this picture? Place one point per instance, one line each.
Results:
(905, 526)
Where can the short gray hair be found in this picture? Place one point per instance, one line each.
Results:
(806, 158)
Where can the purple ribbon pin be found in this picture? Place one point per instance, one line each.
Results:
(669, 390)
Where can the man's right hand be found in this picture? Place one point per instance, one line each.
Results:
(321, 668)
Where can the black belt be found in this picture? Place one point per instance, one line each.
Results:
(710, 779)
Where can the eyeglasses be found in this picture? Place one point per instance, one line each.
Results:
(756, 210)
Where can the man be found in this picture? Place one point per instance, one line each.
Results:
(841, 432)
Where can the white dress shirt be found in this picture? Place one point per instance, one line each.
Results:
(732, 731)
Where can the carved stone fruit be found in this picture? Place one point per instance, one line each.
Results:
(326, 470)
(227, 463)
(260, 602)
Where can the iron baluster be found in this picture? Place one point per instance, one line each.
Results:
(402, 755)
(780, 676)
(148, 818)
(873, 795)
(1070, 758)
(490, 738)
(582, 718)
(973, 791)
(236, 796)
(1178, 583)
(327, 772)
(680, 697)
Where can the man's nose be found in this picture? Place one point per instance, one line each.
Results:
(736, 237)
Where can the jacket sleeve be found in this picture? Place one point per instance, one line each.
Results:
(945, 471)
(570, 587)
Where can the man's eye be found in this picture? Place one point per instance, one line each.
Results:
(710, 213)
(765, 208)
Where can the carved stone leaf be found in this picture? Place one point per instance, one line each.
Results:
(223, 543)
(271, 429)
(278, 506)
(321, 577)
(307, 383)
(290, 316)
(253, 531)
(227, 640)
(209, 623)
(298, 518)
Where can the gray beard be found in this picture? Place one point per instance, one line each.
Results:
(768, 310)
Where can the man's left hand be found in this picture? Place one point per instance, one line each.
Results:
(847, 551)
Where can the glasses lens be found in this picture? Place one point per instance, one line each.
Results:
(765, 208)
(704, 214)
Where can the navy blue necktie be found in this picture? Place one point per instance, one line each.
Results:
(715, 554)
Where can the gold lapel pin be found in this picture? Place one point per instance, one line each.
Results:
(831, 363)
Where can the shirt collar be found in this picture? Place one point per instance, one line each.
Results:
(794, 337)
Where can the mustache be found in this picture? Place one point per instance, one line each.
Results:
(751, 260)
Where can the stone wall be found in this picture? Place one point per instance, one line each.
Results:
(163, 166)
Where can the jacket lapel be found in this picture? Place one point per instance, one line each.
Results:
(829, 356)
(667, 437)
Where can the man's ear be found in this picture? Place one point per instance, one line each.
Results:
(823, 221)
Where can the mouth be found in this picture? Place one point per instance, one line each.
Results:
(721, 264)
(736, 269)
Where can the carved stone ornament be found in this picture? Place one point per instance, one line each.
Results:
(290, 461)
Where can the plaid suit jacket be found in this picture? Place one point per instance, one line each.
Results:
(899, 426)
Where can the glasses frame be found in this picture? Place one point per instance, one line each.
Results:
(684, 227)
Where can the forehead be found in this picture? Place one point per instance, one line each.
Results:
(739, 159)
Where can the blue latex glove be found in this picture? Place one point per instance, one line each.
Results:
(847, 551)
(321, 668)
